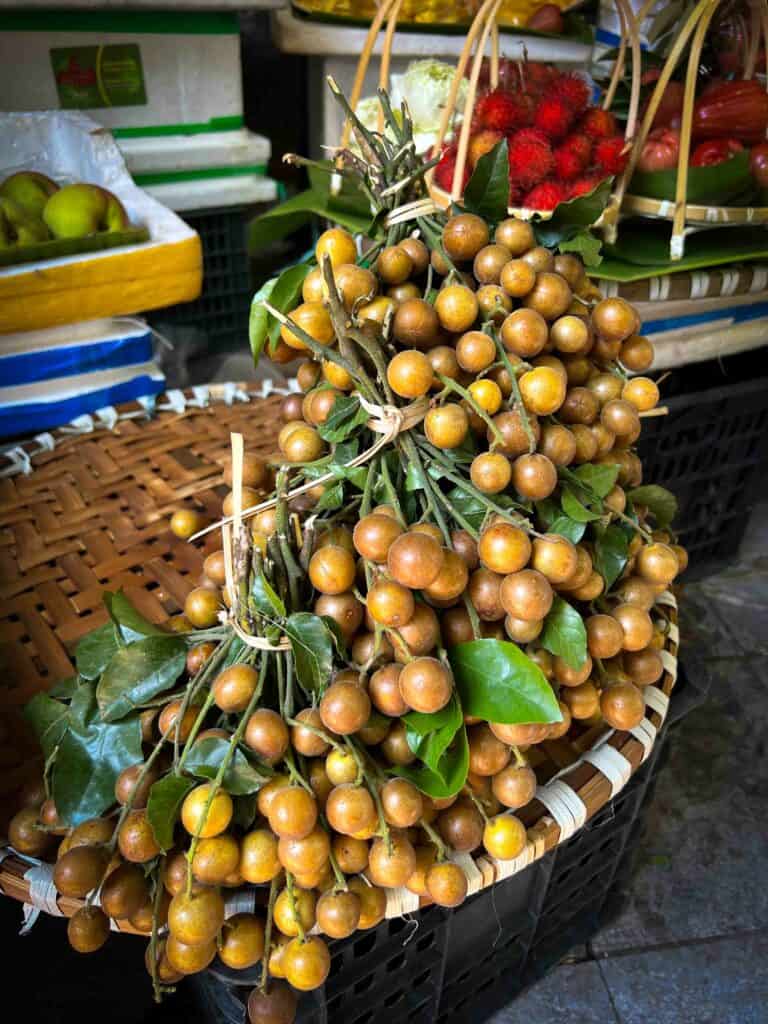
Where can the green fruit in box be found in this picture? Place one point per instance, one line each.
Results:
(29, 189)
(22, 227)
(79, 210)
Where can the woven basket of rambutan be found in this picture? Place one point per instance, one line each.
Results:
(559, 145)
(700, 157)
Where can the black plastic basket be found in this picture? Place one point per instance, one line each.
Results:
(710, 450)
(220, 314)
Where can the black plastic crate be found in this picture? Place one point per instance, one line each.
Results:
(710, 450)
(219, 317)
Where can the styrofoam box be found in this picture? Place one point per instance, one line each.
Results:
(149, 154)
(51, 377)
(190, 67)
(211, 193)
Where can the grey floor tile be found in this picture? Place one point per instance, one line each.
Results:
(571, 994)
(721, 982)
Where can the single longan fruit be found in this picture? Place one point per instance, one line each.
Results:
(266, 734)
(292, 812)
(511, 427)
(487, 395)
(345, 707)
(504, 837)
(418, 252)
(520, 631)
(515, 235)
(416, 324)
(493, 302)
(583, 701)
(350, 809)
(332, 570)
(550, 296)
(636, 626)
(374, 534)
(338, 245)
(524, 333)
(391, 868)
(543, 390)
(202, 607)
(487, 754)
(25, 833)
(456, 307)
(504, 548)
(514, 786)
(517, 278)
(475, 351)
(425, 685)
(88, 929)
(464, 235)
(489, 262)
(384, 691)
(558, 444)
(605, 637)
(414, 560)
(394, 265)
(409, 374)
(555, 557)
(490, 472)
(534, 476)
(315, 320)
(657, 563)
(644, 667)
(447, 884)
(622, 705)
(234, 687)
(186, 522)
(636, 354)
(526, 595)
(446, 426)
(197, 821)
(615, 319)
(402, 803)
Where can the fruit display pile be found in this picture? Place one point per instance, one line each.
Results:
(34, 209)
(452, 562)
(560, 147)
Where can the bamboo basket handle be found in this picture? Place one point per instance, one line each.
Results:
(362, 66)
(466, 124)
(661, 85)
(750, 61)
(466, 51)
(764, 23)
(677, 241)
(386, 56)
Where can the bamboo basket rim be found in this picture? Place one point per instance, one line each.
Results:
(696, 214)
(581, 788)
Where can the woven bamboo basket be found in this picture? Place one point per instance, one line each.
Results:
(93, 515)
(687, 216)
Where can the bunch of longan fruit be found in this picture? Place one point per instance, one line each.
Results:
(526, 372)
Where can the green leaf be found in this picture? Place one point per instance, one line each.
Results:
(487, 191)
(611, 550)
(345, 417)
(132, 625)
(468, 506)
(91, 755)
(283, 293)
(570, 217)
(564, 633)
(599, 479)
(574, 509)
(244, 811)
(586, 245)
(715, 184)
(95, 651)
(661, 503)
(206, 757)
(450, 773)
(429, 736)
(64, 690)
(312, 645)
(331, 498)
(547, 511)
(139, 672)
(164, 806)
(498, 683)
(568, 528)
(264, 597)
(49, 719)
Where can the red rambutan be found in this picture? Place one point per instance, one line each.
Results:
(545, 196)
(554, 117)
(579, 144)
(569, 163)
(480, 144)
(499, 111)
(582, 186)
(444, 170)
(610, 154)
(598, 124)
(530, 158)
(573, 90)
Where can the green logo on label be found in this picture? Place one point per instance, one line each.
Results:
(99, 76)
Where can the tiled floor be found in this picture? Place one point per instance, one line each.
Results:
(690, 945)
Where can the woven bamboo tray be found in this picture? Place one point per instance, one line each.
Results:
(93, 515)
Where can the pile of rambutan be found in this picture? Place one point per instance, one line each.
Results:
(559, 146)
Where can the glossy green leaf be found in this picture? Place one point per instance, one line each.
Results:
(487, 191)
(264, 597)
(312, 644)
(49, 719)
(661, 503)
(574, 509)
(91, 755)
(65, 688)
(283, 294)
(564, 633)
(138, 673)
(132, 625)
(429, 736)
(259, 319)
(611, 549)
(450, 773)
(345, 417)
(331, 498)
(569, 528)
(586, 245)
(95, 651)
(468, 506)
(164, 806)
(572, 216)
(244, 811)
(498, 683)
(241, 777)
(599, 479)
(716, 184)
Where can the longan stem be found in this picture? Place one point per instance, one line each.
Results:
(442, 849)
(317, 731)
(478, 804)
(635, 526)
(153, 937)
(293, 771)
(207, 670)
(292, 901)
(273, 886)
(522, 411)
(520, 760)
(205, 708)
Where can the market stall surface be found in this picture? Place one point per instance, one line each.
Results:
(690, 943)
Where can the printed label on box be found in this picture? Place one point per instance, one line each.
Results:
(99, 76)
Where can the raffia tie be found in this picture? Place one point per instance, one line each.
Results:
(410, 211)
(386, 420)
